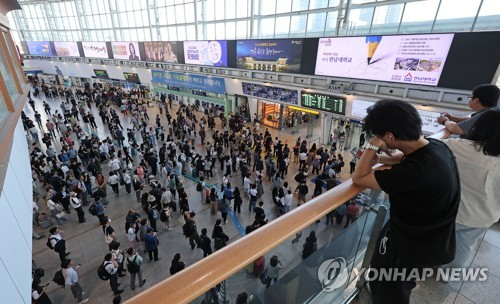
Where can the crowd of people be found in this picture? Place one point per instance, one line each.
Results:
(151, 159)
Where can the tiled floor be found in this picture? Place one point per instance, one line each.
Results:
(86, 243)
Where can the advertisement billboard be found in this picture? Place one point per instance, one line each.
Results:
(39, 48)
(67, 49)
(412, 59)
(359, 107)
(95, 49)
(126, 50)
(322, 102)
(161, 51)
(280, 55)
(213, 53)
(274, 93)
(198, 82)
(101, 74)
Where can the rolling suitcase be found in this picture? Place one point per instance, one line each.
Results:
(258, 266)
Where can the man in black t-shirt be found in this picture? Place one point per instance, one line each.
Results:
(424, 192)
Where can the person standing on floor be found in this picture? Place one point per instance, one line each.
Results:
(152, 243)
(133, 264)
(273, 270)
(111, 267)
(77, 205)
(57, 243)
(220, 238)
(177, 264)
(71, 280)
(118, 257)
(38, 294)
(205, 243)
(422, 183)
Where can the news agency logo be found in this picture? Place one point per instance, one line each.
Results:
(332, 274)
(408, 77)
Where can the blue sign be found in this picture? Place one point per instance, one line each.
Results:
(39, 48)
(198, 82)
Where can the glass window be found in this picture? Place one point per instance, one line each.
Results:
(418, 17)
(267, 7)
(190, 32)
(267, 28)
(359, 21)
(230, 30)
(331, 24)
(172, 33)
(189, 12)
(299, 5)
(210, 34)
(315, 25)
(243, 30)
(179, 13)
(220, 30)
(162, 15)
(242, 9)
(284, 6)
(219, 12)
(170, 15)
(230, 9)
(282, 27)
(386, 19)
(164, 34)
(298, 25)
(13, 55)
(488, 18)
(181, 33)
(451, 19)
(209, 10)
(97, 21)
(313, 4)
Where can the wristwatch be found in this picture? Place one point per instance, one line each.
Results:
(372, 146)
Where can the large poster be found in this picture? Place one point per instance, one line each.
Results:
(68, 49)
(274, 93)
(126, 50)
(414, 59)
(212, 53)
(161, 51)
(281, 55)
(39, 48)
(95, 49)
(198, 82)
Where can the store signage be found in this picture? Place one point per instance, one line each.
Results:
(412, 59)
(198, 82)
(322, 102)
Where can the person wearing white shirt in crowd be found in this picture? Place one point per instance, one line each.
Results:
(77, 205)
(246, 185)
(114, 181)
(52, 206)
(287, 201)
(71, 280)
(114, 165)
(302, 160)
(103, 148)
(132, 236)
(128, 181)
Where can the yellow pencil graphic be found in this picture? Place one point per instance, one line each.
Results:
(373, 42)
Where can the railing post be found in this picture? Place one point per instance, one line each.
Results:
(377, 227)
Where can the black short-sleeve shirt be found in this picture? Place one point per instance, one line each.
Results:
(424, 192)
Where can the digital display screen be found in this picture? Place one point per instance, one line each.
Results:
(39, 48)
(213, 53)
(412, 59)
(359, 107)
(95, 49)
(328, 103)
(125, 50)
(161, 51)
(280, 55)
(199, 93)
(67, 49)
(101, 74)
(172, 88)
(274, 93)
(131, 77)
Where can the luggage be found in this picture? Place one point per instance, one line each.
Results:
(258, 266)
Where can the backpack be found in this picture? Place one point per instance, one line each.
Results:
(59, 278)
(49, 244)
(164, 215)
(93, 210)
(102, 273)
(199, 187)
(155, 214)
(228, 193)
(132, 266)
(303, 189)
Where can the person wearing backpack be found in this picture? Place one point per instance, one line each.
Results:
(177, 265)
(56, 243)
(71, 279)
(111, 268)
(133, 263)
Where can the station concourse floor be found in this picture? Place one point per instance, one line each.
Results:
(86, 243)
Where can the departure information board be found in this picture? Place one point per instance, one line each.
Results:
(321, 102)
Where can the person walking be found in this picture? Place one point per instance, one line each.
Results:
(111, 267)
(71, 280)
(152, 243)
(57, 243)
(133, 264)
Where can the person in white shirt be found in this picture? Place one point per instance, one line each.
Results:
(287, 201)
(134, 258)
(77, 205)
(128, 181)
(246, 185)
(111, 267)
(57, 243)
(478, 161)
(302, 160)
(53, 207)
(71, 280)
(113, 181)
(114, 165)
